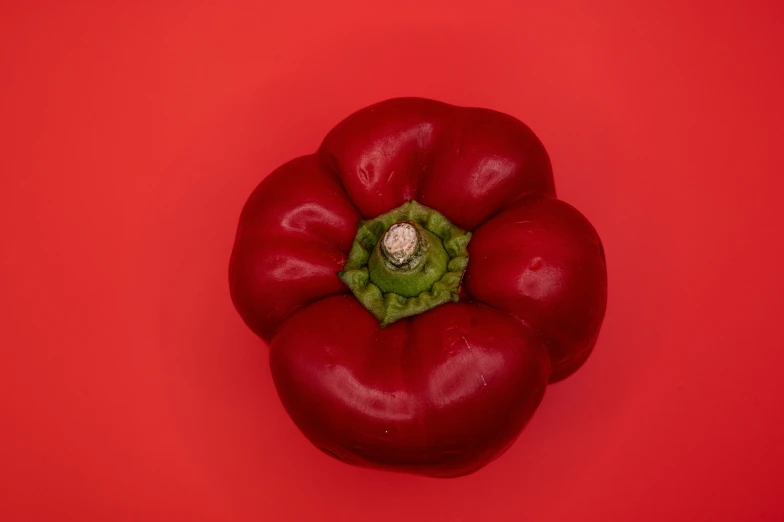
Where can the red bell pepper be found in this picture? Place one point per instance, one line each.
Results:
(419, 285)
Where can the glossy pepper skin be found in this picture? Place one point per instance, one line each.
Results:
(444, 392)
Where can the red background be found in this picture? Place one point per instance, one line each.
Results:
(132, 134)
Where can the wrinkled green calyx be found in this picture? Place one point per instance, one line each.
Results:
(430, 279)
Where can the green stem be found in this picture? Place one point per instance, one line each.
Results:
(406, 262)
